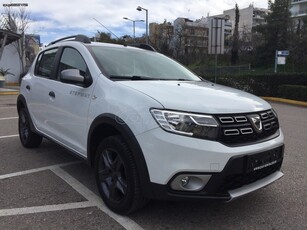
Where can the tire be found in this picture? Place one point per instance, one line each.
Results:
(28, 138)
(116, 176)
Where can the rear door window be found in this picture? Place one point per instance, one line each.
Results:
(45, 63)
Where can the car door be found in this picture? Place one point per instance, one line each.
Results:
(69, 103)
(38, 87)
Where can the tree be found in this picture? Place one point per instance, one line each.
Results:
(179, 39)
(17, 21)
(106, 38)
(275, 32)
(235, 42)
(298, 46)
(161, 37)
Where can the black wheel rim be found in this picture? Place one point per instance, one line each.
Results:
(112, 176)
(23, 126)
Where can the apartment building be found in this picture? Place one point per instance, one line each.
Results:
(249, 17)
(183, 37)
(221, 27)
(298, 8)
(161, 35)
(190, 36)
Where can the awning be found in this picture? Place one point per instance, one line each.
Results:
(7, 37)
(10, 37)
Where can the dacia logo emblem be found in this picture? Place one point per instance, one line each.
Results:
(255, 120)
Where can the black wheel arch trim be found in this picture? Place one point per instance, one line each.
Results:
(21, 102)
(128, 136)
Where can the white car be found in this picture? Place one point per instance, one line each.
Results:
(151, 128)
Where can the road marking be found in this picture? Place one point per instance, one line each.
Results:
(8, 118)
(9, 107)
(2, 137)
(93, 198)
(45, 208)
(6, 176)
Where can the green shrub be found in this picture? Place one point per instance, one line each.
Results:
(261, 84)
(294, 92)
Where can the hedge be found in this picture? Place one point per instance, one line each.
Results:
(261, 84)
(294, 92)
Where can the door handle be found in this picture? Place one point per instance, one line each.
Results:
(52, 94)
(28, 87)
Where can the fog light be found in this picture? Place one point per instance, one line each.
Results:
(189, 182)
(185, 181)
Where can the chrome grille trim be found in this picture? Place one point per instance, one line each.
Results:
(231, 132)
(264, 116)
(267, 126)
(238, 129)
(241, 119)
(246, 131)
(226, 120)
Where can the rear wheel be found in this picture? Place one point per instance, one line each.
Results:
(28, 138)
(116, 176)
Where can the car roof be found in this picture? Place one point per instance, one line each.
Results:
(87, 42)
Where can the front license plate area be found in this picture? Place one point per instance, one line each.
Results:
(263, 160)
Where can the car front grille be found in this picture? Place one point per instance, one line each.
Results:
(240, 129)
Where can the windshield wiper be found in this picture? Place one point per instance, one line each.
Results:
(132, 78)
(176, 79)
(140, 78)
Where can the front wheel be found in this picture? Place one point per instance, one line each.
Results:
(116, 176)
(28, 138)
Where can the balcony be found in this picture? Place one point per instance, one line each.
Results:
(294, 2)
(299, 9)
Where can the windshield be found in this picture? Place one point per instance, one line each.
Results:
(123, 63)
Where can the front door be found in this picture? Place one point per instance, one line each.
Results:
(69, 104)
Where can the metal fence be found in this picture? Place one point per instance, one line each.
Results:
(223, 70)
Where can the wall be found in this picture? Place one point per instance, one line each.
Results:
(10, 60)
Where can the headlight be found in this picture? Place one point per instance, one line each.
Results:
(195, 125)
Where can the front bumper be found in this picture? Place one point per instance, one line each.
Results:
(235, 193)
(237, 178)
(233, 170)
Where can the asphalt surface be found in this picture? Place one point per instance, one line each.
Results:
(48, 188)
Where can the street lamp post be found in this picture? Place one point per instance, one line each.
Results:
(139, 8)
(133, 21)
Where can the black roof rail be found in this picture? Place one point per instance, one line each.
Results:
(79, 38)
(142, 46)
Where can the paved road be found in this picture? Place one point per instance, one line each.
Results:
(47, 188)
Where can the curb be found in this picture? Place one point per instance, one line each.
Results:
(9, 93)
(11, 84)
(286, 101)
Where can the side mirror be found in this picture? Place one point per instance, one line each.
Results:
(71, 76)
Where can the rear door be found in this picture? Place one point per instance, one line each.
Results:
(38, 88)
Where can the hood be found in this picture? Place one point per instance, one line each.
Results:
(200, 97)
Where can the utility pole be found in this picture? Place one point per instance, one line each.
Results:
(216, 38)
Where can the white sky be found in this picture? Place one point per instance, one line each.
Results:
(58, 18)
